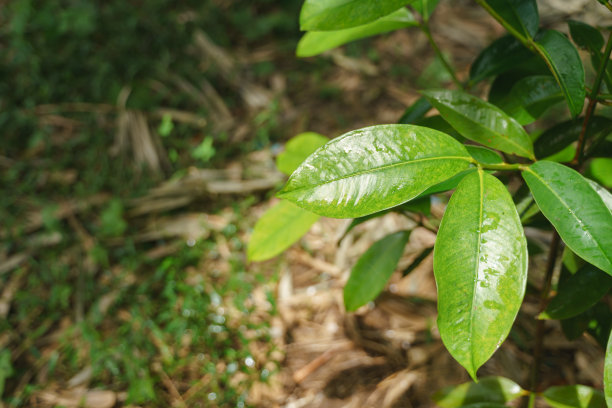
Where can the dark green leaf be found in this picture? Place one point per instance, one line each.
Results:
(574, 396)
(586, 36)
(575, 209)
(577, 293)
(438, 123)
(530, 97)
(608, 372)
(521, 15)
(279, 228)
(326, 15)
(480, 266)
(597, 321)
(373, 270)
(481, 122)
(375, 168)
(487, 390)
(502, 55)
(566, 67)
(416, 111)
(558, 137)
(315, 42)
(297, 150)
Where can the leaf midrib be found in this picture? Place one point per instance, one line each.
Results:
(562, 201)
(377, 169)
(477, 263)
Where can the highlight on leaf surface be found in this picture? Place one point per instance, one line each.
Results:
(480, 267)
(375, 168)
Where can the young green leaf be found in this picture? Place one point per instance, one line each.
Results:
(574, 396)
(502, 55)
(566, 66)
(326, 15)
(373, 270)
(375, 168)
(481, 122)
(297, 150)
(488, 389)
(521, 15)
(575, 209)
(577, 293)
(530, 97)
(279, 228)
(608, 372)
(480, 266)
(484, 155)
(315, 42)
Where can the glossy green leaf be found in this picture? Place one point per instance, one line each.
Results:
(373, 270)
(558, 137)
(574, 396)
(608, 372)
(326, 15)
(375, 168)
(521, 15)
(605, 195)
(578, 293)
(575, 209)
(297, 150)
(316, 42)
(438, 123)
(484, 155)
(530, 97)
(601, 170)
(480, 266)
(487, 390)
(481, 122)
(586, 36)
(279, 228)
(597, 321)
(416, 111)
(425, 8)
(566, 67)
(502, 55)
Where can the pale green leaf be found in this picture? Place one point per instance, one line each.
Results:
(574, 396)
(575, 209)
(279, 228)
(373, 270)
(566, 66)
(486, 390)
(315, 42)
(480, 266)
(375, 168)
(297, 150)
(326, 15)
(481, 122)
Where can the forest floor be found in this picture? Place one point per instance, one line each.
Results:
(139, 294)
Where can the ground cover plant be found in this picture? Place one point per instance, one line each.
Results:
(536, 151)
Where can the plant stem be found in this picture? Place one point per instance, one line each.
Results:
(578, 157)
(424, 26)
(539, 339)
(502, 166)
